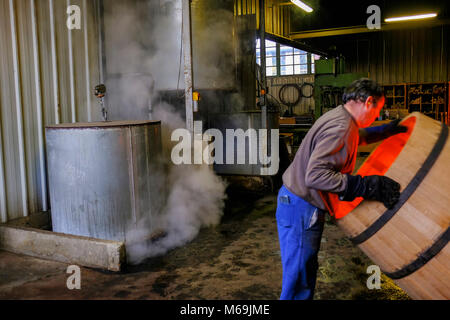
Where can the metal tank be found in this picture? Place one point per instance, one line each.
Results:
(104, 177)
(242, 120)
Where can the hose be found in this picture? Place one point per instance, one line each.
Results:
(307, 84)
(290, 85)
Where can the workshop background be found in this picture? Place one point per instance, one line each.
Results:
(152, 66)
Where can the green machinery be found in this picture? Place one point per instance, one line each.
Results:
(329, 84)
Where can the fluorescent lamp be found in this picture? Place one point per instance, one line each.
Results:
(302, 5)
(416, 17)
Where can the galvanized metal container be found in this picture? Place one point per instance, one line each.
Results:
(104, 177)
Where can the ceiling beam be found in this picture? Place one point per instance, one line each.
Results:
(296, 44)
(364, 29)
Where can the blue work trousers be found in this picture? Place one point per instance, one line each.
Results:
(300, 227)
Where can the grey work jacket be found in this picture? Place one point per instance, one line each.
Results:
(326, 154)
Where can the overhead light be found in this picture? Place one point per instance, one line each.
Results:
(416, 17)
(302, 5)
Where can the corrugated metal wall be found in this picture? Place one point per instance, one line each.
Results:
(47, 76)
(278, 18)
(403, 56)
(305, 104)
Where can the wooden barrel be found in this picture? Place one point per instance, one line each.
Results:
(409, 242)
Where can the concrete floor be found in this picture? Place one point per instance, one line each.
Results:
(238, 259)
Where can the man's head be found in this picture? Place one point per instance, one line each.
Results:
(364, 99)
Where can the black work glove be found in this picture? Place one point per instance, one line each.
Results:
(379, 188)
(378, 133)
(394, 127)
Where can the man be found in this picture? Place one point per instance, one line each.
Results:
(320, 175)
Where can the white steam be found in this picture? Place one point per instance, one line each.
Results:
(143, 52)
(194, 199)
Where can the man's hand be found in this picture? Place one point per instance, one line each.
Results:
(379, 188)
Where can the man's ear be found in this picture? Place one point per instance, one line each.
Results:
(369, 102)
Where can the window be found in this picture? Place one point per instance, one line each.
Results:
(293, 61)
(271, 57)
(284, 60)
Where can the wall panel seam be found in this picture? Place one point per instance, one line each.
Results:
(54, 63)
(71, 73)
(86, 54)
(38, 89)
(3, 200)
(18, 96)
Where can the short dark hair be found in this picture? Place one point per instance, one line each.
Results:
(361, 89)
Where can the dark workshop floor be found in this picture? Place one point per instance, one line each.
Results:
(238, 259)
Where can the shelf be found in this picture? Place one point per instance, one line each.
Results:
(428, 103)
(396, 96)
(399, 96)
(426, 91)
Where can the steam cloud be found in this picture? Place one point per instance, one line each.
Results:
(195, 199)
(142, 57)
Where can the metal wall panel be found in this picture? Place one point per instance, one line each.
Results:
(275, 84)
(40, 86)
(402, 56)
(277, 15)
(10, 94)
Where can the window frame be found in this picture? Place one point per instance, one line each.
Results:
(294, 53)
(309, 60)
